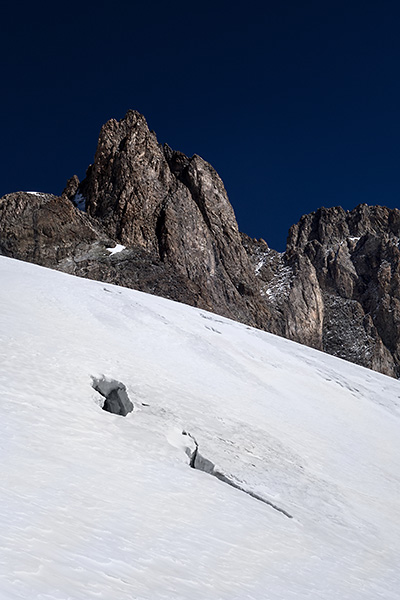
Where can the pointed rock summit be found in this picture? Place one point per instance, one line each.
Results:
(174, 210)
(336, 288)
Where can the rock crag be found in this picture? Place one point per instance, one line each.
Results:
(336, 288)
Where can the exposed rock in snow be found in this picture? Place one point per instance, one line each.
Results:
(115, 394)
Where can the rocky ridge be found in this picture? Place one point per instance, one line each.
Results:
(336, 287)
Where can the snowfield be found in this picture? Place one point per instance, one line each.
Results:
(99, 506)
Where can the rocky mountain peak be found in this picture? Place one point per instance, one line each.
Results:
(336, 288)
(331, 226)
(174, 209)
(176, 160)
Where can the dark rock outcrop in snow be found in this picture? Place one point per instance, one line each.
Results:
(115, 396)
(336, 287)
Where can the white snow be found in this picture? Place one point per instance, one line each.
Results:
(261, 261)
(118, 248)
(98, 506)
(36, 193)
(279, 286)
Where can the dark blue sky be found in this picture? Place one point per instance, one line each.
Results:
(296, 104)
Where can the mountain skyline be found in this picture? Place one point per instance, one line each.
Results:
(336, 288)
(294, 106)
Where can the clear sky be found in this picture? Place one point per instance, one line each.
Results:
(295, 103)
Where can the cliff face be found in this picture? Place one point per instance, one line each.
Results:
(337, 284)
(335, 288)
(356, 259)
(43, 228)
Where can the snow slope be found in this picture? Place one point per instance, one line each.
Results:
(98, 506)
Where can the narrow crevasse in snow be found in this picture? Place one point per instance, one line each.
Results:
(199, 462)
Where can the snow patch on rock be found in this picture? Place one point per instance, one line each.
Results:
(116, 249)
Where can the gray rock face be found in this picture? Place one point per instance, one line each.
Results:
(337, 284)
(289, 287)
(355, 256)
(336, 287)
(43, 228)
